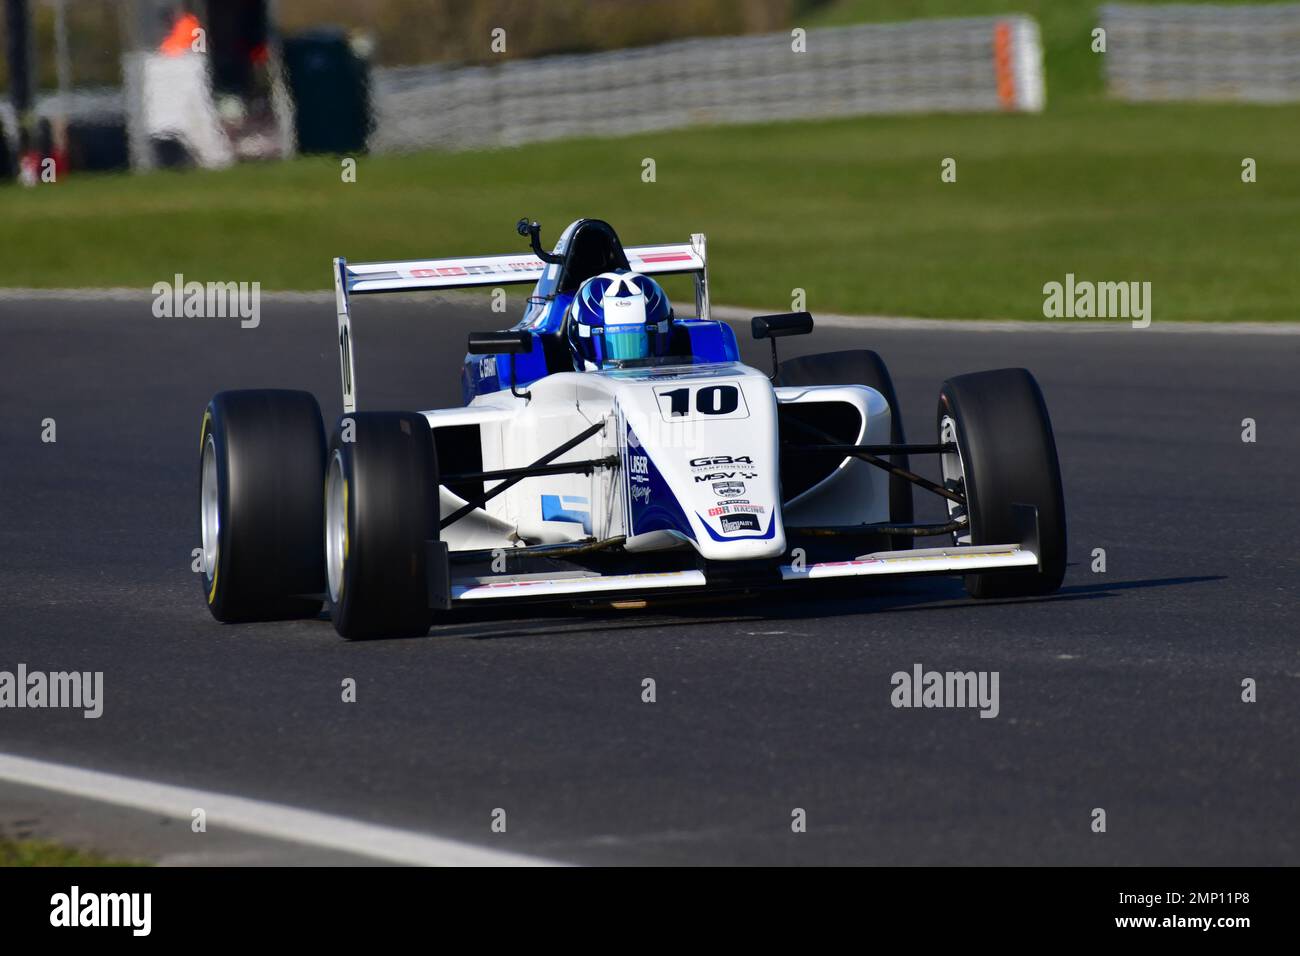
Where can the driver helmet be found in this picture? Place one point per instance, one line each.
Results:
(618, 317)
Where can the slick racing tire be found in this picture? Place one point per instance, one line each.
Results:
(381, 507)
(861, 367)
(1006, 455)
(261, 471)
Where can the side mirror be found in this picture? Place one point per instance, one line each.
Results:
(532, 231)
(782, 323)
(503, 343)
(497, 343)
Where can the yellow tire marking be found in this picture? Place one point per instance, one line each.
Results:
(216, 566)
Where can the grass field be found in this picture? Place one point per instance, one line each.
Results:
(853, 211)
(45, 853)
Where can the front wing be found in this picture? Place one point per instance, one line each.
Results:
(449, 590)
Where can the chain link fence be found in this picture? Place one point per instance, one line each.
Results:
(1181, 52)
(987, 63)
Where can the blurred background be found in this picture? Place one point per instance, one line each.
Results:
(904, 157)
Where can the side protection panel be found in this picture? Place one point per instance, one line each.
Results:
(853, 491)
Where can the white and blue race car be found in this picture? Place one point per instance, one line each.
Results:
(685, 472)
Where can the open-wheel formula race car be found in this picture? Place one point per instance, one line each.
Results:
(680, 471)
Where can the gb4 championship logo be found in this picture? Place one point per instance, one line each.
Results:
(724, 469)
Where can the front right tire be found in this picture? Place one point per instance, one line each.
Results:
(261, 468)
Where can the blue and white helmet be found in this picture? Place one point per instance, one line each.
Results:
(618, 317)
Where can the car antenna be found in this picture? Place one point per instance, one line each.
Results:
(533, 230)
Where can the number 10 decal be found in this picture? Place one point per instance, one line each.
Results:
(686, 403)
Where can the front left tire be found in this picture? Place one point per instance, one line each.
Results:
(1005, 457)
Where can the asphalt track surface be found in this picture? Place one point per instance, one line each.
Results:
(1121, 692)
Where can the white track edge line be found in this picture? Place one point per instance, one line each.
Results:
(731, 313)
(278, 821)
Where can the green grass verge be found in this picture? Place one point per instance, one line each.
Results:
(46, 853)
(852, 210)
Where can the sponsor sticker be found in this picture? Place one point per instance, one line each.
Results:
(740, 522)
(638, 466)
(720, 461)
(723, 469)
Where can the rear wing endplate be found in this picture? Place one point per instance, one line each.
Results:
(482, 271)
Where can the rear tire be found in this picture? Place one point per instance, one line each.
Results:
(861, 367)
(261, 469)
(381, 507)
(1006, 456)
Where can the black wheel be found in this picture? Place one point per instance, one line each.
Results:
(1006, 455)
(261, 470)
(860, 367)
(381, 507)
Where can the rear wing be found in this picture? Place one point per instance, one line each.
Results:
(483, 271)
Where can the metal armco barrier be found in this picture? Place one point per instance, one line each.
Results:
(1180, 52)
(985, 63)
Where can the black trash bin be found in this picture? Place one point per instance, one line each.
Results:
(330, 85)
(98, 144)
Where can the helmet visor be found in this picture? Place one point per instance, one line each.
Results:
(626, 343)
